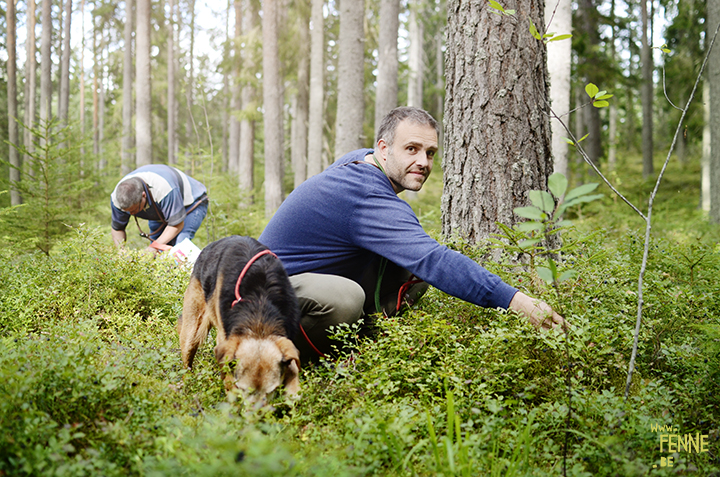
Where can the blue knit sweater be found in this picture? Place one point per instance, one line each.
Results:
(339, 221)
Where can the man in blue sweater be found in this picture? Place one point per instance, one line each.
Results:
(174, 204)
(349, 242)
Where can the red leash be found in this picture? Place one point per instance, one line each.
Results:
(239, 298)
(244, 271)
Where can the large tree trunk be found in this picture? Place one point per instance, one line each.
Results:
(46, 65)
(386, 96)
(246, 157)
(127, 137)
(30, 84)
(317, 77)
(713, 78)
(64, 100)
(647, 94)
(558, 18)
(351, 52)
(143, 91)
(299, 127)
(416, 65)
(273, 101)
(13, 155)
(171, 100)
(497, 141)
(236, 100)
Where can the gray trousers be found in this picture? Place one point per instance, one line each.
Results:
(329, 300)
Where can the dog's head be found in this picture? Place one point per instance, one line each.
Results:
(261, 366)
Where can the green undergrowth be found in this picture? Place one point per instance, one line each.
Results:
(91, 381)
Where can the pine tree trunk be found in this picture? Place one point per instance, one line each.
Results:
(386, 96)
(706, 151)
(497, 141)
(236, 100)
(189, 91)
(350, 93)
(317, 77)
(127, 135)
(273, 101)
(143, 91)
(647, 94)
(416, 65)
(30, 85)
(559, 17)
(713, 9)
(246, 156)
(13, 138)
(46, 65)
(64, 100)
(171, 100)
(299, 129)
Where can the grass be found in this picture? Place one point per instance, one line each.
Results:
(91, 381)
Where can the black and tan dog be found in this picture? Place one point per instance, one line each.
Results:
(240, 287)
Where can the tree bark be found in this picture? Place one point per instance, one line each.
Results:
(647, 94)
(246, 156)
(127, 136)
(713, 16)
(497, 138)
(143, 91)
(30, 85)
(299, 127)
(588, 72)
(416, 65)
(13, 138)
(236, 100)
(706, 151)
(64, 100)
(558, 18)
(350, 93)
(46, 65)
(273, 100)
(386, 96)
(317, 101)
(171, 99)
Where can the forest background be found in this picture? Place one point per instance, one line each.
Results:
(91, 377)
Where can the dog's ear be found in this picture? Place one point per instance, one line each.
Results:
(291, 364)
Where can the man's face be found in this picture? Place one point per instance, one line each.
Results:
(409, 161)
(137, 208)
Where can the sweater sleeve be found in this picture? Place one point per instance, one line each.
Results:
(387, 226)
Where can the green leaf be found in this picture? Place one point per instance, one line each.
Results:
(530, 226)
(557, 183)
(601, 104)
(509, 12)
(542, 200)
(560, 37)
(528, 243)
(604, 96)
(496, 5)
(566, 275)
(545, 274)
(534, 32)
(529, 213)
(591, 90)
(552, 267)
(564, 223)
(583, 138)
(569, 141)
(582, 190)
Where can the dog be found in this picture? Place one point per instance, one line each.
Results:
(242, 289)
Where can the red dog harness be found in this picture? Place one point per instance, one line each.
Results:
(239, 298)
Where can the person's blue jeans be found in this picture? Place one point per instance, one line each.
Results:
(191, 225)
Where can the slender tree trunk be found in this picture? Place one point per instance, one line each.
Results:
(189, 91)
(236, 100)
(226, 90)
(558, 18)
(416, 65)
(713, 16)
(246, 156)
(102, 162)
(171, 100)
(386, 96)
(64, 100)
(613, 113)
(46, 65)
(96, 85)
(647, 94)
(497, 140)
(588, 22)
(350, 95)
(299, 128)
(317, 77)
(82, 86)
(13, 138)
(706, 151)
(143, 91)
(30, 85)
(272, 99)
(127, 113)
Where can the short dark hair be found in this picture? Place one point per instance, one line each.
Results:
(390, 122)
(129, 192)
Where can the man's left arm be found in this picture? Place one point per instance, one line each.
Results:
(170, 232)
